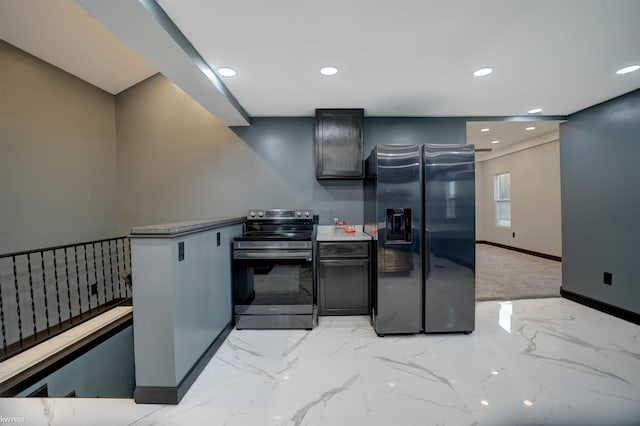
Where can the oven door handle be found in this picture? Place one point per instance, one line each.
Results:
(274, 255)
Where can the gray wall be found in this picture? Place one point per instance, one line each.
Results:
(599, 152)
(177, 162)
(288, 145)
(420, 130)
(57, 156)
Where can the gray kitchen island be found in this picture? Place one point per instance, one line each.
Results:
(182, 306)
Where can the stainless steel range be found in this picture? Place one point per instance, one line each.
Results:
(274, 270)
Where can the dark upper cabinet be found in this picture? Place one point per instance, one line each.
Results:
(339, 144)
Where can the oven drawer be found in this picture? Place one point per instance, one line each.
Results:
(343, 249)
(273, 309)
(273, 255)
(268, 245)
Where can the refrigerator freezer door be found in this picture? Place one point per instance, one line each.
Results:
(398, 304)
(449, 210)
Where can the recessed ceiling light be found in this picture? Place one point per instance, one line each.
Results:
(485, 403)
(627, 70)
(329, 71)
(226, 72)
(482, 72)
(527, 403)
(486, 129)
(495, 141)
(530, 128)
(534, 111)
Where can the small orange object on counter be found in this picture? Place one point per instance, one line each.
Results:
(347, 228)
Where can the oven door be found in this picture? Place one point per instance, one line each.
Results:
(273, 282)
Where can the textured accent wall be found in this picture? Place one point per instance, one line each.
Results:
(57, 156)
(600, 177)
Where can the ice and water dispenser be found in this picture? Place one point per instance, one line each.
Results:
(398, 226)
(395, 256)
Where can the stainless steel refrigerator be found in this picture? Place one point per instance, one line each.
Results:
(419, 206)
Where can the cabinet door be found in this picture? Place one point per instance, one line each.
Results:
(339, 144)
(342, 249)
(343, 287)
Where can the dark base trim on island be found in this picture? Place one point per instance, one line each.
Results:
(601, 306)
(173, 394)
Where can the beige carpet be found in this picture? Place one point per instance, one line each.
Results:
(506, 275)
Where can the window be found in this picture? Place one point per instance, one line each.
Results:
(502, 197)
(450, 193)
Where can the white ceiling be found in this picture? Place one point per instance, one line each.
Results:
(64, 34)
(416, 57)
(395, 58)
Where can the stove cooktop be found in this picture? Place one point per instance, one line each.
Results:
(280, 215)
(279, 225)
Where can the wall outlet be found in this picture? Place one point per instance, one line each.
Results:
(513, 235)
(94, 289)
(608, 278)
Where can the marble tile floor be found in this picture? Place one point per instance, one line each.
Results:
(529, 362)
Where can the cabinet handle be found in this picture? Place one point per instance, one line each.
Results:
(359, 262)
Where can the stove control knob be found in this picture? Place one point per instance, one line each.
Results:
(298, 213)
(260, 213)
(252, 214)
(306, 213)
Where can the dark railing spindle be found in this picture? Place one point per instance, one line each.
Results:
(113, 290)
(118, 276)
(15, 282)
(66, 273)
(44, 292)
(75, 252)
(130, 271)
(104, 275)
(33, 300)
(25, 265)
(4, 330)
(95, 274)
(55, 277)
(86, 267)
(124, 267)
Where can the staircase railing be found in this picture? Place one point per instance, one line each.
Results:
(49, 290)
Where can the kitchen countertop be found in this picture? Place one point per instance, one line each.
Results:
(184, 227)
(328, 233)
